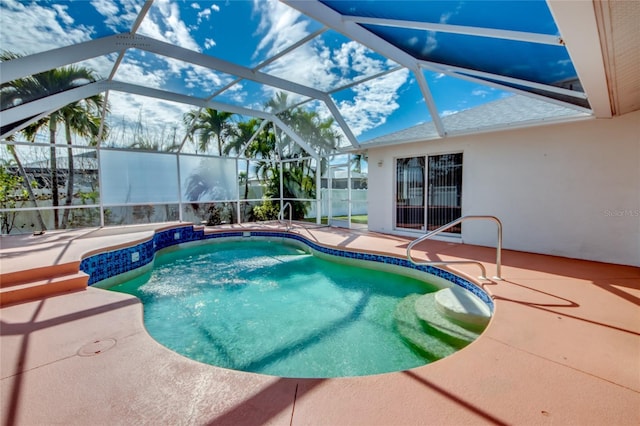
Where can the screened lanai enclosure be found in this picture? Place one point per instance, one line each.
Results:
(122, 112)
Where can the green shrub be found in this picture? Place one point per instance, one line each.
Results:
(268, 210)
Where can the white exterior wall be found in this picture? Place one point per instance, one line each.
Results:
(569, 189)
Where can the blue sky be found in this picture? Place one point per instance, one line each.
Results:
(246, 33)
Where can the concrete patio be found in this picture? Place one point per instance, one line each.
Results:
(563, 347)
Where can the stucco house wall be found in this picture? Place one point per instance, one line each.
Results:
(570, 189)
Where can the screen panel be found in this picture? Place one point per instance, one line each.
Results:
(138, 177)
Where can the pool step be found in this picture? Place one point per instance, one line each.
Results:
(428, 312)
(16, 288)
(462, 306)
(421, 324)
(413, 331)
(29, 273)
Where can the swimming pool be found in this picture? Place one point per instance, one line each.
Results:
(273, 308)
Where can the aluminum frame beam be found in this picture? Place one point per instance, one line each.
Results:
(565, 10)
(517, 91)
(45, 61)
(354, 31)
(57, 101)
(54, 102)
(553, 40)
(463, 72)
(40, 62)
(333, 19)
(431, 104)
(293, 135)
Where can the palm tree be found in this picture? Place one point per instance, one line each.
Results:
(264, 149)
(27, 184)
(299, 178)
(281, 106)
(245, 130)
(209, 124)
(11, 94)
(206, 125)
(357, 160)
(18, 91)
(81, 117)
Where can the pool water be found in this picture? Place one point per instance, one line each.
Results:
(271, 308)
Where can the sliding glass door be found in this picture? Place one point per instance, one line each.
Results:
(410, 193)
(444, 199)
(428, 191)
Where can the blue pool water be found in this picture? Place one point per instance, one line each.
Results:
(271, 308)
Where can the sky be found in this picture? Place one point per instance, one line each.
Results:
(245, 33)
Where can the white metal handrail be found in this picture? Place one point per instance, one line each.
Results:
(454, 223)
(281, 215)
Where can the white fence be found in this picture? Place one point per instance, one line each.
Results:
(339, 204)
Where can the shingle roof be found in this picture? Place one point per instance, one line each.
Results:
(514, 110)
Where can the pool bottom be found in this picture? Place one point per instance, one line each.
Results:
(267, 312)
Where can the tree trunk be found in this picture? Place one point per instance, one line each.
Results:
(246, 183)
(25, 180)
(69, 199)
(54, 172)
(245, 210)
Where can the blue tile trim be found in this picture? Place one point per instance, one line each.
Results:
(390, 260)
(106, 265)
(109, 264)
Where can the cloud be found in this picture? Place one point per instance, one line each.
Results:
(46, 28)
(163, 23)
(205, 14)
(280, 26)
(446, 17)
(325, 66)
(105, 8)
(49, 28)
(238, 95)
(430, 43)
(132, 71)
(481, 92)
(119, 15)
(157, 117)
(328, 67)
(102, 65)
(62, 14)
(354, 57)
(373, 102)
(316, 71)
(204, 78)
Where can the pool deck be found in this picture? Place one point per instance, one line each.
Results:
(563, 348)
